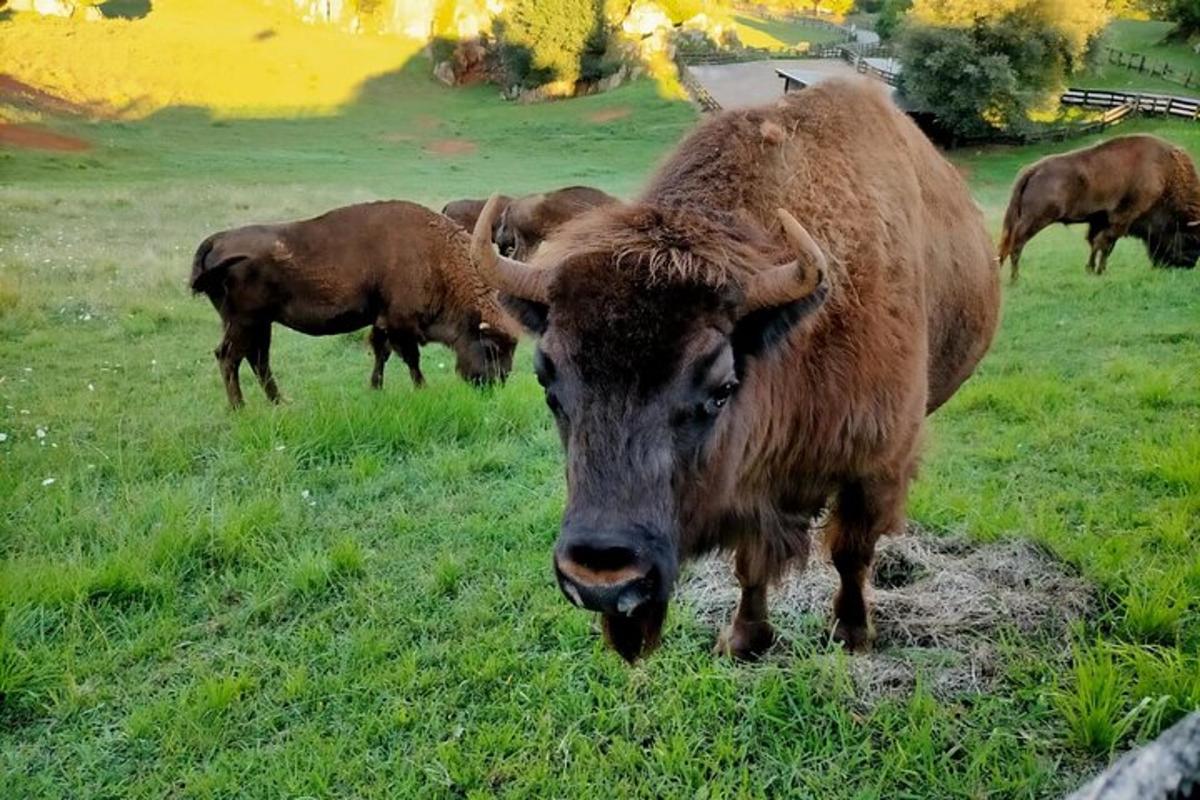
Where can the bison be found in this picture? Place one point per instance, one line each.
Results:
(526, 221)
(754, 341)
(395, 266)
(465, 212)
(1139, 185)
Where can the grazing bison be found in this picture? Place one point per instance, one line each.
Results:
(526, 221)
(465, 212)
(1137, 185)
(721, 372)
(395, 266)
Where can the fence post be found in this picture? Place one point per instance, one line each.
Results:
(1142, 66)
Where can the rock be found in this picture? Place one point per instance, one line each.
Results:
(644, 18)
(93, 14)
(1168, 767)
(48, 8)
(444, 72)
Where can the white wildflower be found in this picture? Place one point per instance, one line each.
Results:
(41, 433)
(48, 482)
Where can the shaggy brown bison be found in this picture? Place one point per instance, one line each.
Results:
(395, 266)
(754, 340)
(465, 212)
(526, 221)
(1137, 185)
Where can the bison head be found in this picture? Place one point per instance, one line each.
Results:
(484, 352)
(647, 321)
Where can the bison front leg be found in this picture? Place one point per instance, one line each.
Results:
(864, 511)
(749, 634)
(410, 351)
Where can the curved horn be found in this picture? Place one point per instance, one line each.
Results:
(506, 274)
(1193, 223)
(795, 280)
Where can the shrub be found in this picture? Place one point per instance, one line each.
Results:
(543, 41)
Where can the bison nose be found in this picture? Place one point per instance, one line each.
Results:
(605, 577)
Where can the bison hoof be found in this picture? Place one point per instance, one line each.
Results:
(745, 641)
(855, 638)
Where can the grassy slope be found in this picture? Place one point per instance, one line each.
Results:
(779, 34)
(1144, 37)
(349, 595)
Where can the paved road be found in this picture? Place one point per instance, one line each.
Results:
(755, 82)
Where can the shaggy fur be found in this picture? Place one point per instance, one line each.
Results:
(1139, 185)
(395, 266)
(645, 335)
(526, 221)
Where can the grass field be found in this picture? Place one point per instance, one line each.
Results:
(1144, 37)
(781, 34)
(350, 595)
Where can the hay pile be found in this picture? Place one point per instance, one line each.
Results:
(942, 606)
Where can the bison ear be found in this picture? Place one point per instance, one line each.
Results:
(532, 315)
(760, 330)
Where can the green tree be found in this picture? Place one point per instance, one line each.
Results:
(891, 16)
(1186, 16)
(980, 66)
(545, 41)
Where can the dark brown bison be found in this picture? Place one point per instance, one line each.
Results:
(1137, 185)
(721, 372)
(395, 266)
(465, 212)
(526, 221)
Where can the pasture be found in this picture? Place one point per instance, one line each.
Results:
(351, 594)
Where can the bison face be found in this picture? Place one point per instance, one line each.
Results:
(486, 356)
(643, 372)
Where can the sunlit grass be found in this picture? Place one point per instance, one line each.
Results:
(233, 59)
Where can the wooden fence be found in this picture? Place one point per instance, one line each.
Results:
(1138, 62)
(1142, 102)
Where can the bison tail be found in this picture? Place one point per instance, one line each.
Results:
(209, 265)
(1011, 217)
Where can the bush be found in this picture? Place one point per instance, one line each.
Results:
(986, 75)
(543, 41)
(891, 15)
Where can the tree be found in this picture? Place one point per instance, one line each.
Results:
(980, 65)
(1186, 16)
(890, 17)
(546, 41)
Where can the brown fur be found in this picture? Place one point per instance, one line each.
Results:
(1138, 185)
(525, 222)
(466, 212)
(395, 266)
(831, 415)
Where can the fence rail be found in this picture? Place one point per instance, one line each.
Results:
(1142, 102)
(1138, 62)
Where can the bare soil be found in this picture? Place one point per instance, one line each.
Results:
(451, 147)
(35, 137)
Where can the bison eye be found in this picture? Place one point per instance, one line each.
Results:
(553, 404)
(719, 398)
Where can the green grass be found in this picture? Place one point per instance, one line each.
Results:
(780, 33)
(1145, 37)
(349, 595)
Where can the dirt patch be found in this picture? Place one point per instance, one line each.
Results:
(22, 94)
(427, 122)
(33, 137)
(609, 114)
(451, 147)
(942, 605)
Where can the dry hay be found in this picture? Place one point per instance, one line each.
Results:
(942, 607)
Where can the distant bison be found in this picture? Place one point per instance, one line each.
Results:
(524, 222)
(395, 266)
(1139, 185)
(755, 340)
(465, 212)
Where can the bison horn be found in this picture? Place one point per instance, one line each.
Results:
(1193, 223)
(795, 280)
(506, 274)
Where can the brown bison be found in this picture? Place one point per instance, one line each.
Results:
(395, 266)
(465, 212)
(526, 221)
(1137, 185)
(721, 373)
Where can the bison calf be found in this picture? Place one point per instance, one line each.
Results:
(395, 266)
(526, 221)
(466, 212)
(1139, 185)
